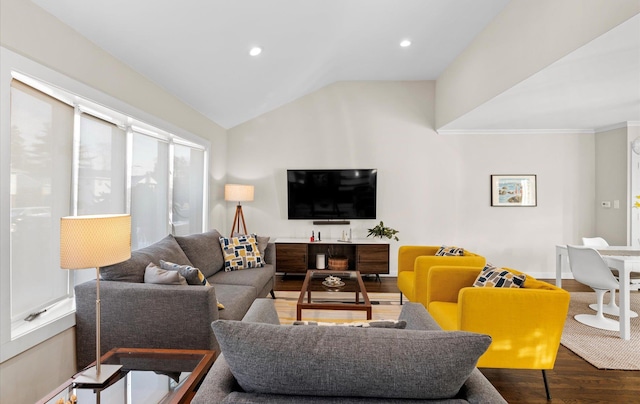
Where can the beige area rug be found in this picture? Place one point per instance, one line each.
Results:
(603, 349)
(384, 306)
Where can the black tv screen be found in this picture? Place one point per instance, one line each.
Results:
(332, 194)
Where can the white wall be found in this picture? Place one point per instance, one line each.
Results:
(434, 189)
(31, 32)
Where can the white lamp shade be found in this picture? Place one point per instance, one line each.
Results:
(94, 241)
(238, 192)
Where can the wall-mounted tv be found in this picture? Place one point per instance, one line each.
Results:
(332, 194)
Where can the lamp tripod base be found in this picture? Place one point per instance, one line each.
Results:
(90, 376)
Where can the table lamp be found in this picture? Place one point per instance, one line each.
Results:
(95, 241)
(238, 193)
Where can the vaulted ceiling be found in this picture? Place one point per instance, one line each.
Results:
(199, 51)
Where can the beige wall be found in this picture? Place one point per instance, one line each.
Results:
(612, 170)
(515, 45)
(31, 32)
(434, 189)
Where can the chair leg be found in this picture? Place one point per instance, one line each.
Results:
(400, 298)
(273, 294)
(546, 385)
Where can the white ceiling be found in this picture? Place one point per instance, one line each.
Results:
(198, 51)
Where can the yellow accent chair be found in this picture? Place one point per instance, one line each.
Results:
(525, 323)
(414, 263)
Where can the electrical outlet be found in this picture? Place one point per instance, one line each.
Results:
(616, 204)
(605, 204)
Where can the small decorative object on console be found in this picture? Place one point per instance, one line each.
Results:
(380, 230)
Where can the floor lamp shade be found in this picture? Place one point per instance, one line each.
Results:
(95, 241)
(238, 192)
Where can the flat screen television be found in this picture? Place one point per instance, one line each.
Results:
(332, 194)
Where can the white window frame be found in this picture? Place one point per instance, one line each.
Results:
(12, 65)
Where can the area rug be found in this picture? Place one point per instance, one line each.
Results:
(603, 349)
(385, 306)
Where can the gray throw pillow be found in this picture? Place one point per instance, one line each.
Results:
(133, 269)
(349, 361)
(203, 250)
(155, 274)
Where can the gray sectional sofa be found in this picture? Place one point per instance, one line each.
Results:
(135, 314)
(264, 362)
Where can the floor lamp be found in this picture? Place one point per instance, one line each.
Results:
(95, 241)
(238, 193)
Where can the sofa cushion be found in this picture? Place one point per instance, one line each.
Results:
(446, 251)
(258, 278)
(491, 276)
(347, 361)
(203, 250)
(236, 300)
(132, 270)
(240, 252)
(157, 275)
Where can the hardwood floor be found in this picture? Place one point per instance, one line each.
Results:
(573, 380)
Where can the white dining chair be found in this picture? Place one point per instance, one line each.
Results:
(590, 269)
(611, 307)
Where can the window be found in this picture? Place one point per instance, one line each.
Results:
(61, 155)
(101, 167)
(149, 189)
(40, 194)
(188, 173)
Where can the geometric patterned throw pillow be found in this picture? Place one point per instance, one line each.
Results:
(241, 252)
(193, 275)
(449, 251)
(491, 276)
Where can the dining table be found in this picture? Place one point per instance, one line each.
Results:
(625, 259)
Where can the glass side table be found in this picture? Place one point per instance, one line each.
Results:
(147, 376)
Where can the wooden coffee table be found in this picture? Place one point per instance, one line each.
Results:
(347, 296)
(147, 375)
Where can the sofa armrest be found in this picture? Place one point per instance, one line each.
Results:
(407, 255)
(142, 315)
(417, 317)
(217, 384)
(478, 390)
(524, 318)
(262, 311)
(445, 282)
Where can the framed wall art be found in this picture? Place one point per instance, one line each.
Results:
(513, 190)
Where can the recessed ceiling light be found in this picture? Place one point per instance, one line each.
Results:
(255, 51)
(405, 43)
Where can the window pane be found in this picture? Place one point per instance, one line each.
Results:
(102, 164)
(188, 173)
(149, 190)
(41, 149)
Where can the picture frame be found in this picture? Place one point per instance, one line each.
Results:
(514, 190)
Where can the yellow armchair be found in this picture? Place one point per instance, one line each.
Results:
(414, 263)
(525, 324)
